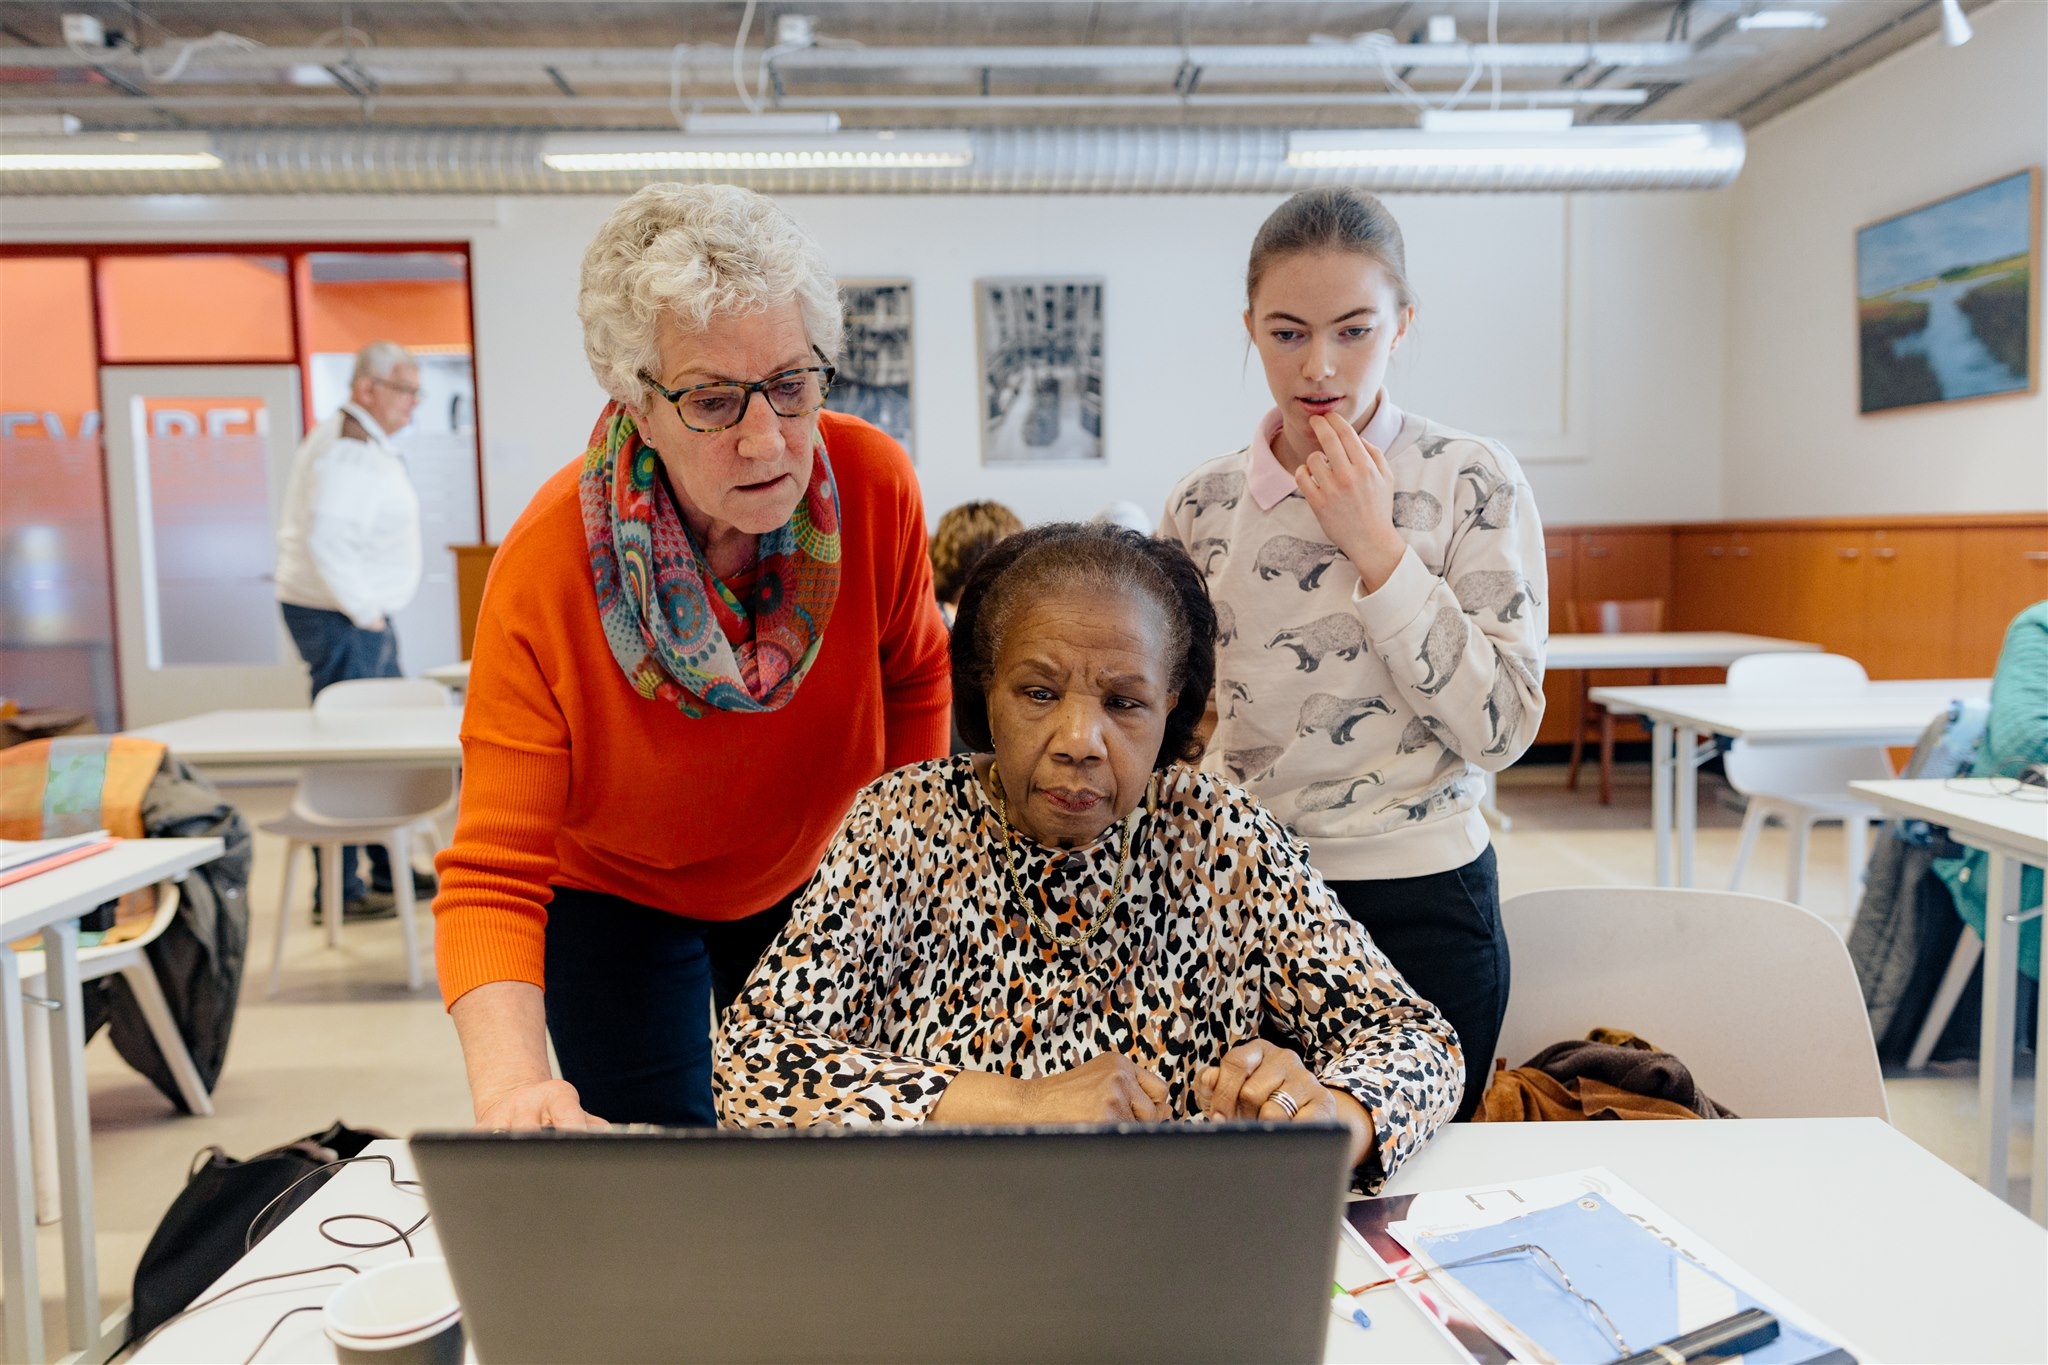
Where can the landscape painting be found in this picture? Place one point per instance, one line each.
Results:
(1946, 297)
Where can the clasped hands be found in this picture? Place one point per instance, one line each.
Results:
(1256, 1080)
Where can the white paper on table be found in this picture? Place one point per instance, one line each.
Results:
(1436, 1212)
(21, 852)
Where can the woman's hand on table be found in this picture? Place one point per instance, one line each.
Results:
(1107, 1089)
(1348, 486)
(1246, 1084)
(538, 1104)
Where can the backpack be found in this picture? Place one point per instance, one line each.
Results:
(204, 1231)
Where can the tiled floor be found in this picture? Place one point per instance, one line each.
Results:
(345, 1039)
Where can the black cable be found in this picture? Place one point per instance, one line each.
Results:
(251, 1237)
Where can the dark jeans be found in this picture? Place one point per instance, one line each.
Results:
(337, 649)
(629, 997)
(1443, 932)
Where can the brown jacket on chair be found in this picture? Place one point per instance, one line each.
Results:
(1611, 1074)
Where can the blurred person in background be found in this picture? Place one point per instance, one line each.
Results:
(348, 556)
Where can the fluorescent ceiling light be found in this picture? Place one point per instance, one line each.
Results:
(110, 152)
(1512, 121)
(597, 152)
(776, 124)
(1955, 29)
(1591, 157)
(1781, 18)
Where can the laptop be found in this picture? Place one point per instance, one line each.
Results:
(1179, 1242)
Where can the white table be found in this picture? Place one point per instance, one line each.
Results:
(1831, 1213)
(1645, 649)
(1663, 649)
(394, 735)
(1877, 713)
(2013, 829)
(50, 904)
(454, 677)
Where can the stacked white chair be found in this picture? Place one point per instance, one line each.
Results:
(1803, 784)
(340, 804)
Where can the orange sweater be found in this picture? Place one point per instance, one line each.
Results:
(571, 778)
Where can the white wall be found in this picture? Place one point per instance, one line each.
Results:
(1927, 123)
(1586, 331)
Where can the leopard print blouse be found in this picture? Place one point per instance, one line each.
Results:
(909, 959)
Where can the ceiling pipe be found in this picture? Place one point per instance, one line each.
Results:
(1043, 160)
(124, 108)
(712, 59)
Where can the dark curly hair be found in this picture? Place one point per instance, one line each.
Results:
(1068, 556)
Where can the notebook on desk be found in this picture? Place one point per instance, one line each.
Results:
(1172, 1242)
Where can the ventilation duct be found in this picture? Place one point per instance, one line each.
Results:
(1042, 160)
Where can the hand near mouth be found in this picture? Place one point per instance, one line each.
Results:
(1347, 484)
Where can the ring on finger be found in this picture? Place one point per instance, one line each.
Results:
(1285, 1101)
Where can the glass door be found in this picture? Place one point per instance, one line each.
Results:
(197, 460)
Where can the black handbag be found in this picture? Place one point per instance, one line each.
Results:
(205, 1230)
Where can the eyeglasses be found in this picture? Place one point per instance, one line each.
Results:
(403, 390)
(1542, 1258)
(719, 407)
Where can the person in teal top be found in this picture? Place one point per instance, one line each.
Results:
(2016, 736)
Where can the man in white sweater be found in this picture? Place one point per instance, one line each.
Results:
(348, 553)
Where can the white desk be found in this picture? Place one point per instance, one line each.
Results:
(2013, 829)
(454, 677)
(1831, 1213)
(396, 735)
(1878, 713)
(1663, 649)
(1647, 649)
(50, 904)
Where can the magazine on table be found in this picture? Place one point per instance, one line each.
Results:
(1613, 1271)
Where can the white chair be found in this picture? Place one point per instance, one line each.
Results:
(339, 804)
(130, 959)
(1802, 784)
(1755, 996)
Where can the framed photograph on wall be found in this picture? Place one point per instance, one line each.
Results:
(874, 358)
(1946, 297)
(1041, 369)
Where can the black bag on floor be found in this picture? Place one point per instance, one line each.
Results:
(202, 1233)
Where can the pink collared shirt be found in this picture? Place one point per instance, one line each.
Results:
(1269, 480)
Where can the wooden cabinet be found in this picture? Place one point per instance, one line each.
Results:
(1598, 564)
(2000, 571)
(1906, 597)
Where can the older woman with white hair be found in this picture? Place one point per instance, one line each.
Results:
(700, 640)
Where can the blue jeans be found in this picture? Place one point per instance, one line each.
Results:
(336, 649)
(629, 996)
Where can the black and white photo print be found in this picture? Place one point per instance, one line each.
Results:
(874, 358)
(1041, 367)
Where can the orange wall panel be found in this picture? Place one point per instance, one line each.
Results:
(47, 361)
(422, 314)
(196, 307)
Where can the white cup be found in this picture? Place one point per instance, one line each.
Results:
(402, 1313)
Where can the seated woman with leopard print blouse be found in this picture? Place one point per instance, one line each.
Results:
(1077, 928)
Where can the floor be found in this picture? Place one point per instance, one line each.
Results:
(345, 1039)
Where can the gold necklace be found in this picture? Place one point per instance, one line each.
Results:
(1046, 923)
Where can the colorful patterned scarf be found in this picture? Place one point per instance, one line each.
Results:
(660, 603)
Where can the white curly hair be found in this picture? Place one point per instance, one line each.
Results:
(698, 251)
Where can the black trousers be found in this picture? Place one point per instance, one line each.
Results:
(630, 992)
(1443, 932)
